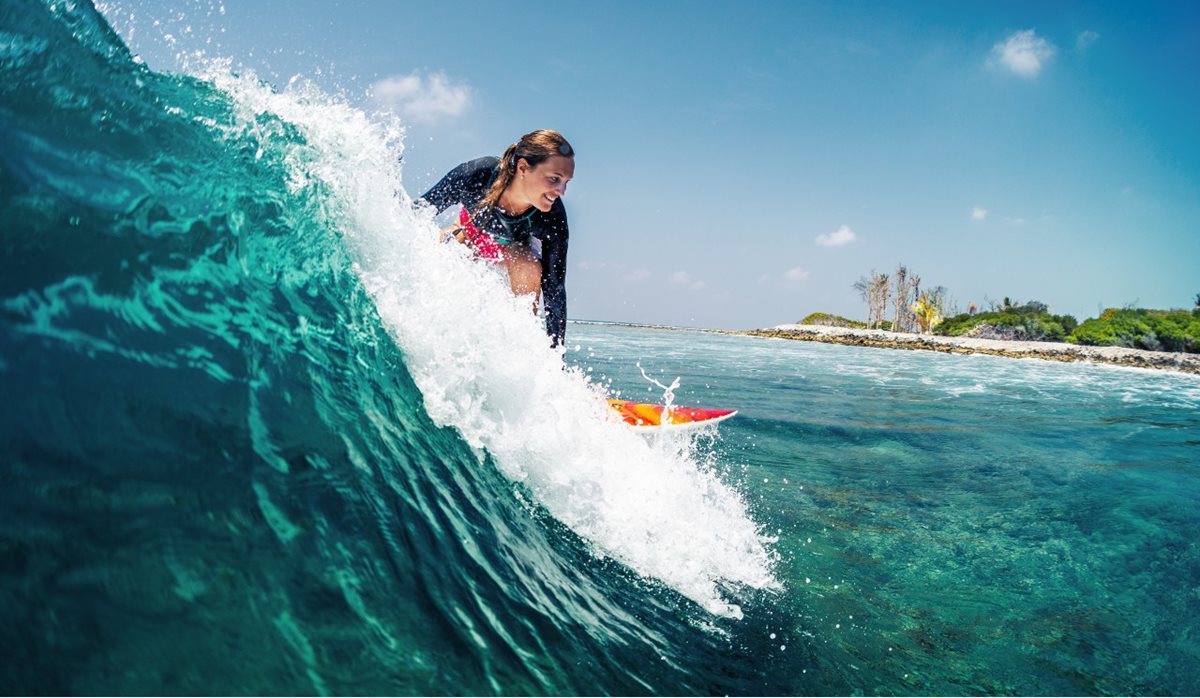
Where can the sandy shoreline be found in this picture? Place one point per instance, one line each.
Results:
(1052, 351)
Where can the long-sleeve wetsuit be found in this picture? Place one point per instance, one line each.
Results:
(467, 184)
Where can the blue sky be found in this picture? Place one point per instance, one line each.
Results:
(743, 164)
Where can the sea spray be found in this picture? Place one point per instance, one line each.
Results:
(220, 473)
(485, 367)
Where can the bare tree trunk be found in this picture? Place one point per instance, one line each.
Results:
(874, 291)
(914, 292)
(880, 289)
(864, 288)
(901, 280)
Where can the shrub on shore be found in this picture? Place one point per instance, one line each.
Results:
(1137, 328)
(1031, 322)
(832, 321)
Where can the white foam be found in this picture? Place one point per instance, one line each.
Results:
(485, 367)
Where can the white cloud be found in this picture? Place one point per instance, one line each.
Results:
(1016, 221)
(1086, 38)
(978, 213)
(796, 274)
(422, 98)
(637, 275)
(682, 278)
(1024, 53)
(842, 236)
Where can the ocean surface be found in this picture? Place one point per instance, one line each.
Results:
(261, 434)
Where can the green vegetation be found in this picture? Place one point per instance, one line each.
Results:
(1031, 322)
(927, 313)
(1134, 328)
(832, 321)
(1137, 328)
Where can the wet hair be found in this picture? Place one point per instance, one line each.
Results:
(535, 147)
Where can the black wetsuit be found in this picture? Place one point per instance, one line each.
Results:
(467, 184)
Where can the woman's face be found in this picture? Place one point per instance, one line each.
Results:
(544, 184)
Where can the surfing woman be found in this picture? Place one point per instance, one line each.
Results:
(513, 216)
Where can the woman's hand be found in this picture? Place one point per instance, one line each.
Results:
(455, 231)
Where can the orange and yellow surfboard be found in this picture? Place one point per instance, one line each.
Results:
(646, 415)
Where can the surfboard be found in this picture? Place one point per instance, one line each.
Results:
(644, 415)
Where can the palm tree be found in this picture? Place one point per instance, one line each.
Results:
(927, 313)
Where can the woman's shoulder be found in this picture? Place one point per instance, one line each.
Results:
(485, 165)
(472, 173)
(471, 178)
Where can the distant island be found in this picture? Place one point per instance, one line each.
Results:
(1134, 337)
(1141, 338)
(1053, 351)
(1132, 328)
(902, 314)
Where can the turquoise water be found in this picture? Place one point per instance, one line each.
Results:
(956, 525)
(258, 438)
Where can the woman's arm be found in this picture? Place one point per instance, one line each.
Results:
(554, 275)
(464, 184)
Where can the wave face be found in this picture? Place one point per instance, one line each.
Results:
(262, 434)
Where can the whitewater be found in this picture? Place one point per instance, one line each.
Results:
(485, 367)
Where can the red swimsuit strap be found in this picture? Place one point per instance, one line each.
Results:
(483, 243)
(464, 219)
